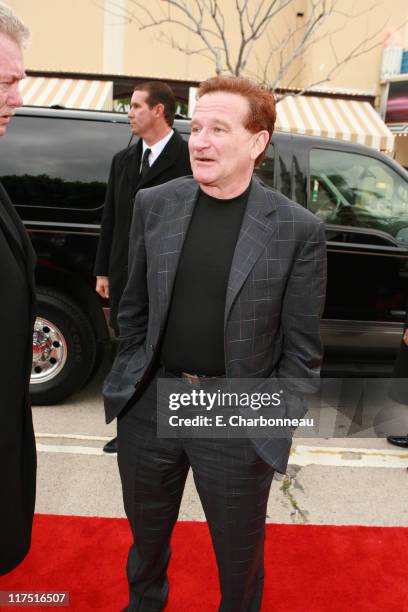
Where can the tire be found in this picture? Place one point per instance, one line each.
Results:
(64, 348)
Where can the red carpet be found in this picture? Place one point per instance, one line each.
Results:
(309, 568)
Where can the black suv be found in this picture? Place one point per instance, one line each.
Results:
(55, 163)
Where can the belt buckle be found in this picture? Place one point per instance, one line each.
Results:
(192, 379)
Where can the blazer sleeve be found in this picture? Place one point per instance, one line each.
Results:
(303, 303)
(101, 267)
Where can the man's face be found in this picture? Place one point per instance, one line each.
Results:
(11, 73)
(222, 150)
(142, 118)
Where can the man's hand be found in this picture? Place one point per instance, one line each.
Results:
(102, 286)
(405, 337)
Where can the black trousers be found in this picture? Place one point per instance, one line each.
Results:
(233, 484)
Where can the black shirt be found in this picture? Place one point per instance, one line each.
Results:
(193, 340)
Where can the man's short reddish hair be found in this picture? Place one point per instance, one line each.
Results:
(262, 108)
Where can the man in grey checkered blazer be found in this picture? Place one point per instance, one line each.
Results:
(226, 278)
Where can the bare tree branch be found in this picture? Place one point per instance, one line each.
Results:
(315, 22)
(171, 41)
(252, 20)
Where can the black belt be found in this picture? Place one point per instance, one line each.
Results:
(190, 378)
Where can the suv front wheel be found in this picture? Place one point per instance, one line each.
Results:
(64, 348)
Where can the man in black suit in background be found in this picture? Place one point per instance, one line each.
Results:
(160, 155)
(17, 307)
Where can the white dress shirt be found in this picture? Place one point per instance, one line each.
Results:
(156, 149)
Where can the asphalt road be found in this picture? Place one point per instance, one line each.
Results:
(355, 481)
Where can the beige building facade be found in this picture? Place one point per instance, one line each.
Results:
(103, 37)
(103, 40)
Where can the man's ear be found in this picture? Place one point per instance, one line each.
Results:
(261, 141)
(159, 110)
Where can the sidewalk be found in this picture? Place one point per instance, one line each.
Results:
(329, 481)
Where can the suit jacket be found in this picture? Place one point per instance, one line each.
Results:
(112, 253)
(17, 445)
(278, 278)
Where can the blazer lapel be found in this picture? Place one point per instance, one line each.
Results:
(132, 169)
(19, 239)
(258, 226)
(7, 215)
(178, 213)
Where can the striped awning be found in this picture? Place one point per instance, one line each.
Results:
(334, 118)
(69, 93)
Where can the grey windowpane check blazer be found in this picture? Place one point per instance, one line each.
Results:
(274, 300)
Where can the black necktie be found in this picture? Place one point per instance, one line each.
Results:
(145, 163)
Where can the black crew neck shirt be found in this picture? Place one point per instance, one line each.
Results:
(193, 340)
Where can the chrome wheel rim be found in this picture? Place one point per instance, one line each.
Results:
(49, 351)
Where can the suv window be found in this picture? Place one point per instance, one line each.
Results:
(265, 172)
(357, 190)
(57, 162)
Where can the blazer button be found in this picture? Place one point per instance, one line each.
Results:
(152, 347)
